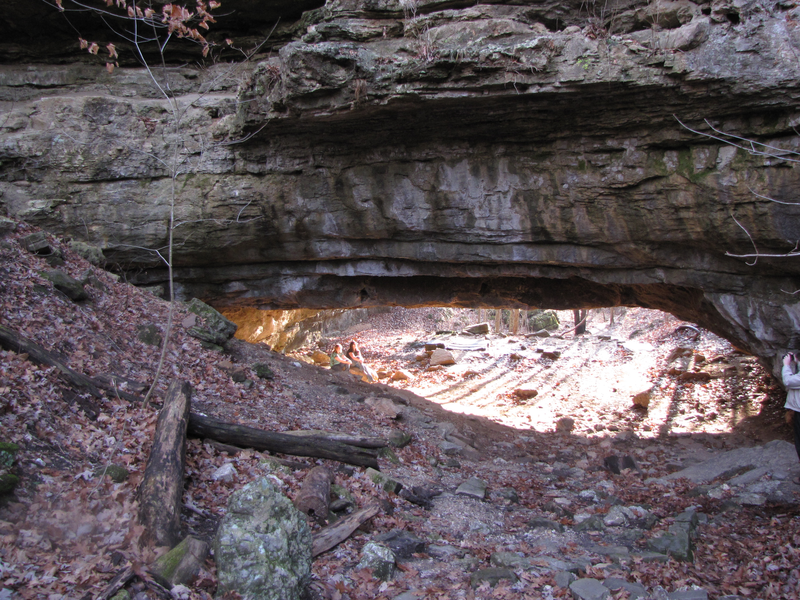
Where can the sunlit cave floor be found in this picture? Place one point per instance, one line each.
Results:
(692, 381)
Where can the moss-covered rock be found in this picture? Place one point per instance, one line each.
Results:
(91, 253)
(263, 371)
(71, 288)
(399, 439)
(117, 473)
(149, 334)
(544, 320)
(8, 481)
(263, 545)
(379, 560)
(217, 329)
(379, 479)
(8, 451)
(387, 453)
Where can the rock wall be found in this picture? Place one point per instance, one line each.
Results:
(286, 330)
(387, 152)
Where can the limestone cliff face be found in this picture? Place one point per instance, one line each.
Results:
(437, 152)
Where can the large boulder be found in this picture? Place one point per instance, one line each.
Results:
(217, 330)
(547, 319)
(263, 545)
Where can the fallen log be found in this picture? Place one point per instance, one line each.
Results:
(10, 340)
(345, 438)
(162, 486)
(249, 437)
(314, 496)
(120, 580)
(330, 536)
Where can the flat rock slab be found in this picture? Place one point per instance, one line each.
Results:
(473, 487)
(777, 455)
(589, 589)
(465, 344)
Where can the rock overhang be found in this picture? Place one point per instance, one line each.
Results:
(462, 155)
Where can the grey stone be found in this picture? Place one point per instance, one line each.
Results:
(593, 523)
(493, 576)
(472, 487)
(7, 226)
(36, 243)
(407, 596)
(619, 554)
(444, 552)
(450, 448)
(508, 494)
(217, 330)
(564, 578)
(263, 545)
(399, 439)
(479, 329)
(751, 499)
(91, 253)
(678, 545)
(379, 559)
(691, 594)
(542, 523)
(509, 560)
(384, 481)
(648, 557)
(71, 288)
(402, 543)
(775, 455)
(589, 589)
(635, 590)
(749, 477)
(618, 516)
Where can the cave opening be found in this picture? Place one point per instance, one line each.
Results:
(632, 372)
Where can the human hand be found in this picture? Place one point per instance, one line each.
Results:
(788, 359)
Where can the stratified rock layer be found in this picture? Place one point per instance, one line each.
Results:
(430, 152)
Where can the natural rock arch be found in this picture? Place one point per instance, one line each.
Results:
(492, 155)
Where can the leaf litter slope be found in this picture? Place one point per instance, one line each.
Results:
(69, 529)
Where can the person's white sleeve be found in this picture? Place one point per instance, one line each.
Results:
(790, 380)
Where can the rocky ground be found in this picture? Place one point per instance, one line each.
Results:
(512, 495)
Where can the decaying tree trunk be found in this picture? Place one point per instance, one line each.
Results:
(10, 340)
(258, 439)
(344, 438)
(315, 494)
(330, 536)
(161, 490)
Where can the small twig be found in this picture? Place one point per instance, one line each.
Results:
(750, 237)
(752, 191)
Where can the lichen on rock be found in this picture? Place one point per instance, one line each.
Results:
(263, 545)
